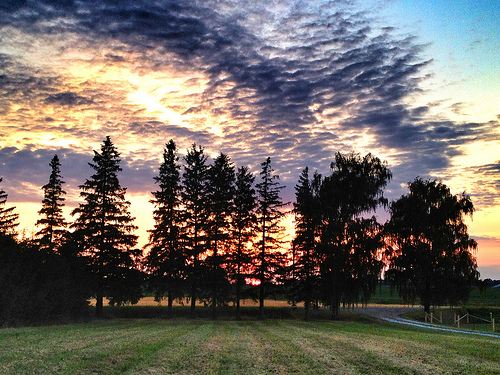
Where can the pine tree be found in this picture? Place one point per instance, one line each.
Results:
(8, 219)
(165, 260)
(243, 225)
(269, 214)
(195, 215)
(104, 230)
(53, 222)
(220, 194)
(307, 229)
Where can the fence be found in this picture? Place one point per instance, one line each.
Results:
(457, 319)
(431, 318)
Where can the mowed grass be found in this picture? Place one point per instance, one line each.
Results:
(200, 346)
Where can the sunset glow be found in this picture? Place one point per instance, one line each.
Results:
(296, 81)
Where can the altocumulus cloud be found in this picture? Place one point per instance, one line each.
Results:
(294, 80)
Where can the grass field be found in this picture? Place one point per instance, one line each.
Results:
(356, 345)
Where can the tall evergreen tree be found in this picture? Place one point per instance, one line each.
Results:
(195, 216)
(307, 209)
(220, 195)
(243, 226)
(8, 219)
(269, 214)
(105, 231)
(165, 260)
(350, 244)
(52, 221)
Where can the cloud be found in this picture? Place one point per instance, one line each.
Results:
(294, 80)
(68, 99)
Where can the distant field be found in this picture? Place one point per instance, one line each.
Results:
(178, 346)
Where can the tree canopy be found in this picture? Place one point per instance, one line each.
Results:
(431, 253)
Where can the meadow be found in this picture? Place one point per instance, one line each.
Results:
(354, 345)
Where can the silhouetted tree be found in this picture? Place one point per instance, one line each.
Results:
(8, 219)
(195, 216)
(269, 214)
(220, 197)
(349, 247)
(165, 259)
(431, 251)
(52, 221)
(37, 286)
(305, 267)
(104, 230)
(243, 230)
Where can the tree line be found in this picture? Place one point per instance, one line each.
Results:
(218, 237)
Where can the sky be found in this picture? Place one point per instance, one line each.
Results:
(415, 83)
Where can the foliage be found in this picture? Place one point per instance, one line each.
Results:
(351, 244)
(243, 231)
(195, 215)
(431, 256)
(270, 260)
(104, 231)
(220, 197)
(38, 286)
(305, 276)
(52, 221)
(165, 261)
(8, 219)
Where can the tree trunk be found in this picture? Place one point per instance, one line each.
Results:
(99, 306)
(262, 272)
(238, 281)
(170, 303)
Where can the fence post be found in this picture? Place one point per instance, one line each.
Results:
(441, 317)
(493, 324)
(432, 317)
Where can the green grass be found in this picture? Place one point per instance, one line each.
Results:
(356, 345)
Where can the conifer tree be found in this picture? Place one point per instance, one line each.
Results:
(307, 210)
(269, 214)
(243, 226)
(105, 231)
(165, 260)
(8, 219)
(220, 196)
(195, 215)
(52, 221)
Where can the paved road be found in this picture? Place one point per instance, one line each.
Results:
(393, 314)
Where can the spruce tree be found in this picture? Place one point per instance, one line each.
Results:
(221, 201)
(243, 226)
(52, 221)
(195, 215)
(307, 210)
(269, 214)
(8, 219)
(165, 260)
(105, 231)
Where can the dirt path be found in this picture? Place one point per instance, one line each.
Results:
(393, 314)
(387, 312)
